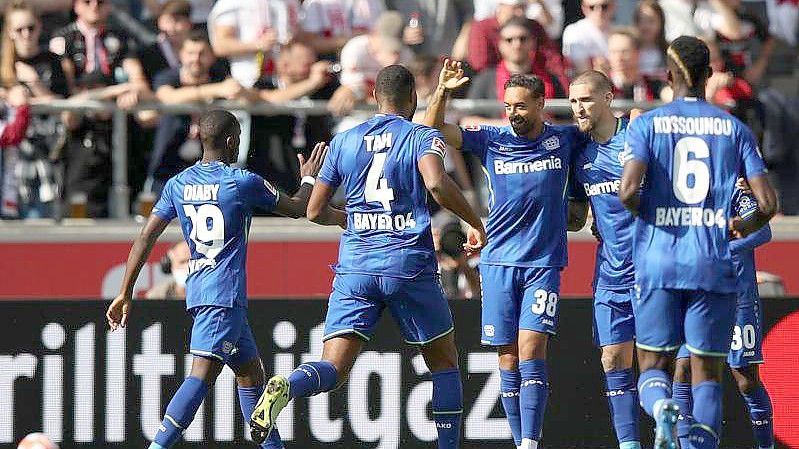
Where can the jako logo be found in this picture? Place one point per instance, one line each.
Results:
(512, 168)
(531, 382)
(444, 425)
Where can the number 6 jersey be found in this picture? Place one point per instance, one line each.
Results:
(694, 153)
(388, 222)
(214, 203)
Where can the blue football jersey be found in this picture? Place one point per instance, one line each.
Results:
(388, 221)
(598, 169)
(695, 152)
(528, 182)
(743, 255)
(214, 203)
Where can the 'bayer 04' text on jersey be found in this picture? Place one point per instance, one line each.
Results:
(529, 185)
(388, 222)
(743, 254)
(598, 169)
(694, 153)
(214, 203)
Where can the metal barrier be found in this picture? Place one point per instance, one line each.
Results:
(120, 190)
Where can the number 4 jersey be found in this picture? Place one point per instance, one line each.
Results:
(214, 203)
(388, 222)
(695, 152)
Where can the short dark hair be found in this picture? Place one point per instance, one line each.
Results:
(394, 85)
(197, 36)
(692, 57)
(179, 8)
(521, 22)
(599, 80)
(215, 126)
(529, 82)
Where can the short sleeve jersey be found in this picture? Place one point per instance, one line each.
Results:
(598, 169)
(694, 153)
(528, 182)
(214, 203)
(388, 221)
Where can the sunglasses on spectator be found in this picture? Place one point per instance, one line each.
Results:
(28, 28)
(521, 39)
(602, 6)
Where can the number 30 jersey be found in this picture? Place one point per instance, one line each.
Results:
(694, 153)
(215, 203)
(388, 221)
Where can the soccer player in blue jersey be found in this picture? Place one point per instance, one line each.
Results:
(746, 353)
(598, 169)
(386, 167)
(688, 154)
(214, 203)
(527, 169)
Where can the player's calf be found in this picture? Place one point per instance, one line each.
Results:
(681, 393)
(622, 393)
(441, 357)
(758, 402)
(706, 372)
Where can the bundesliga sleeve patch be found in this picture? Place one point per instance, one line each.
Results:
(471, 128)
(438, 147)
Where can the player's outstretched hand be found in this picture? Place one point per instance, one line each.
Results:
(312, 166)
(475, 240)
(117, 314)
(451, 76)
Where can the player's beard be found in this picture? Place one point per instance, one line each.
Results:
(521, 126)
(586, 125)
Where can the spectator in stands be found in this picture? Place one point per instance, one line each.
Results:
(435, 28)
(650, 23)
(327, 25)
(200, 10)
(700, 18)
(364, 56)
(484, 39)
(517, 48)
(299, 75)
(249, 33)
(549, 13)
(724, 88)
(14, 119)
(175, 264)
(39, 71)
(738, 48)
(177, 142)
(174, 24)
(624, 58)
(585, 42)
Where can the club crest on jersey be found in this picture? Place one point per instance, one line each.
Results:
(471, 128)
(553, 143)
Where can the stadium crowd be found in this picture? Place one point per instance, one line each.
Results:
(199, 51)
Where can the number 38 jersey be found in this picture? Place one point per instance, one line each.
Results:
(215, 203)
(695, 152)
(388, 221)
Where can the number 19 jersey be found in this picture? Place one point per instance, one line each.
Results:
(695, 152)
(388, 221)
(214, 203)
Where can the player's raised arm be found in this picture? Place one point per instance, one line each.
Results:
(295, 206)
(451, 77)
(449, 196)
(117, 313)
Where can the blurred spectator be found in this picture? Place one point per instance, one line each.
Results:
(549, 13)
(299, 75)
(725, 89)
(516, 47)
(650, 23)
(249, 34)
(700, 18)
(783, 18)
(328, 24)
(484, 39)
(624, 59)
(14, 121)
(176, 264)
(459, 276)
(25, 61)
(435, 28)
(585, 42)
(364, 56)
(174, 24)
(53, 14)
(738, 49)
(200, 10)
(177, 143)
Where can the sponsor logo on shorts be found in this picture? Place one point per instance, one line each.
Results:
(227, 347)
(548, 322)
(488, 330)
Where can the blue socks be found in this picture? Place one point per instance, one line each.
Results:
(623, 400)
(707, 413)
(448, 407)
(759, 404)
(312, 378)
(683, 397)
(533, 394)
(653, 385)
(248, 397)
(180, 412)
(510, 381)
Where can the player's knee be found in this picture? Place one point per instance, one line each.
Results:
(509, 361)
(682, 370)
(206, 369)
(746, 381)
(613, 360)
(249, 374)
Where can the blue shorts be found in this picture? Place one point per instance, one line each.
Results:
(223, 334)
(613, 316)
(667, 318)
(747, 338)
(517, 298)
(417, 305)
